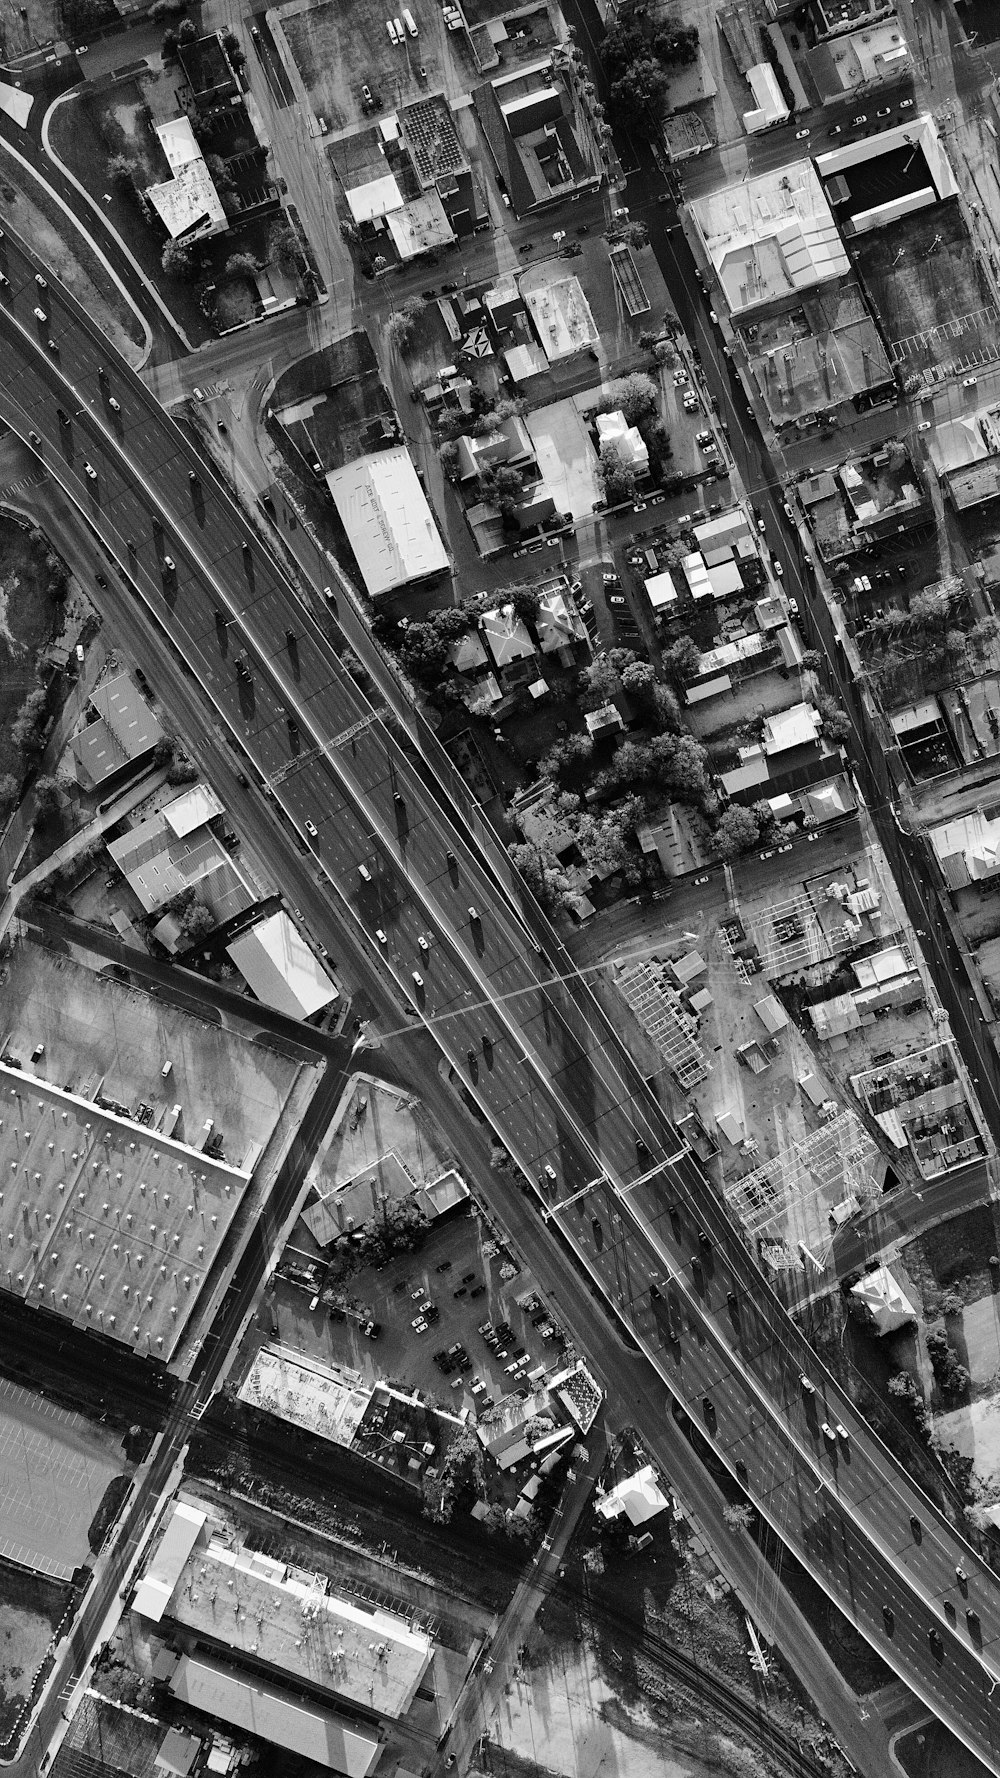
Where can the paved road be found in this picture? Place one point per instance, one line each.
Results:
(535, 1050)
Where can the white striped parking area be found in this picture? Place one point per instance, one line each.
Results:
(52, 1478)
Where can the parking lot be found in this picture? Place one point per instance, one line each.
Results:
(458, 1272)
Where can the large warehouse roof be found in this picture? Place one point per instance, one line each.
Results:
(104, 1221)
(388, 522)
(274, 1716)
(277, 963)
(254, 1605)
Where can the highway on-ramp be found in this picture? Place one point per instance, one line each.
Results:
(531, 1043)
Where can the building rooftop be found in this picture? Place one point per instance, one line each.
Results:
(420, 225)
(181, 1532)
(277, 963)
(561, 316)
(812, 358)
(506, 636)
(125, 729)
(286, 1620)
(388, 522)
(374, 199)
(558, 623)
(188, 205)
(193, 808)
(274, 1716)
(770, 236)
(157, 866)
(306, 1393)
(107, 1223)
(639, 1497)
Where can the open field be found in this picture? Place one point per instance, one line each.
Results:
(30, 1609)
(30, 209)
(54, 1470)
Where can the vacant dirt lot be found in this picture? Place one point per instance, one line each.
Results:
(28, 617)
(30, 1608)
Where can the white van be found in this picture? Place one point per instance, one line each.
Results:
(400, 33)
(409, 22)
(391, 31)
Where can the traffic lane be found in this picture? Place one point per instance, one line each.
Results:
(712, 1393)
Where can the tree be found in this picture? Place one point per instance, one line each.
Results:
(48, 797)
(836, 722)
(398, 1226)
(448, 457)
(638, 678)
(178, 261)
(635, 235)
(401, 325)
(666, 709)
(502, 486)
(639, 87)
(283, 249)
(681, 659)
(9, 788)
(615, 477)
(168, 48)
(636, 396)
(676, 45)
(187, 31)
(198, 921)
(739, 1516)
(123, 172)
(423, 651)
(166, 9)
(241, 265)
(234, 50)
(737, 832)
(525, 601)
(28, 729)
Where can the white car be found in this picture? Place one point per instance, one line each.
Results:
(779, 570)
(364, 873)
(418, 978)
(969, 382)
(169, 564)
(89, 470)
(311, 829)
(390, 28)
(380, 935)
(800, 135)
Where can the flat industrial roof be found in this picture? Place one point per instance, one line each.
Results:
(180, 1534)
(389, 524)
(561, 316)
(103, 1221)
(192, 809)
(277, 963)
(274, 1716)
(306, 1393)
(286, 1621)
(187, 204)
(770, 235)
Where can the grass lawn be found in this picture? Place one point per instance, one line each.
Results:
(236, 301)
(28, 618)
(21, 35)
(30, 1608)
(29, 209)
(953, 1257)
(77, 141)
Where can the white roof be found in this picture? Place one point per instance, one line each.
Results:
(881, 1294)
(790, 728)
(389, 524)
(771, 1013)
(561, 316)
(770, 106)
(368, 202)
(557, 623)
(275, 1716)
(180, 1535)
(420, 225)
(507, 637)
(187, 204)
(724, 528)
(660, 590)
(193, 809)
(275, 960)
(639, 1497)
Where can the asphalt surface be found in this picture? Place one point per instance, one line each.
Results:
(547, 1069)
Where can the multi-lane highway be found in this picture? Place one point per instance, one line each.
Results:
(547, 1069)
